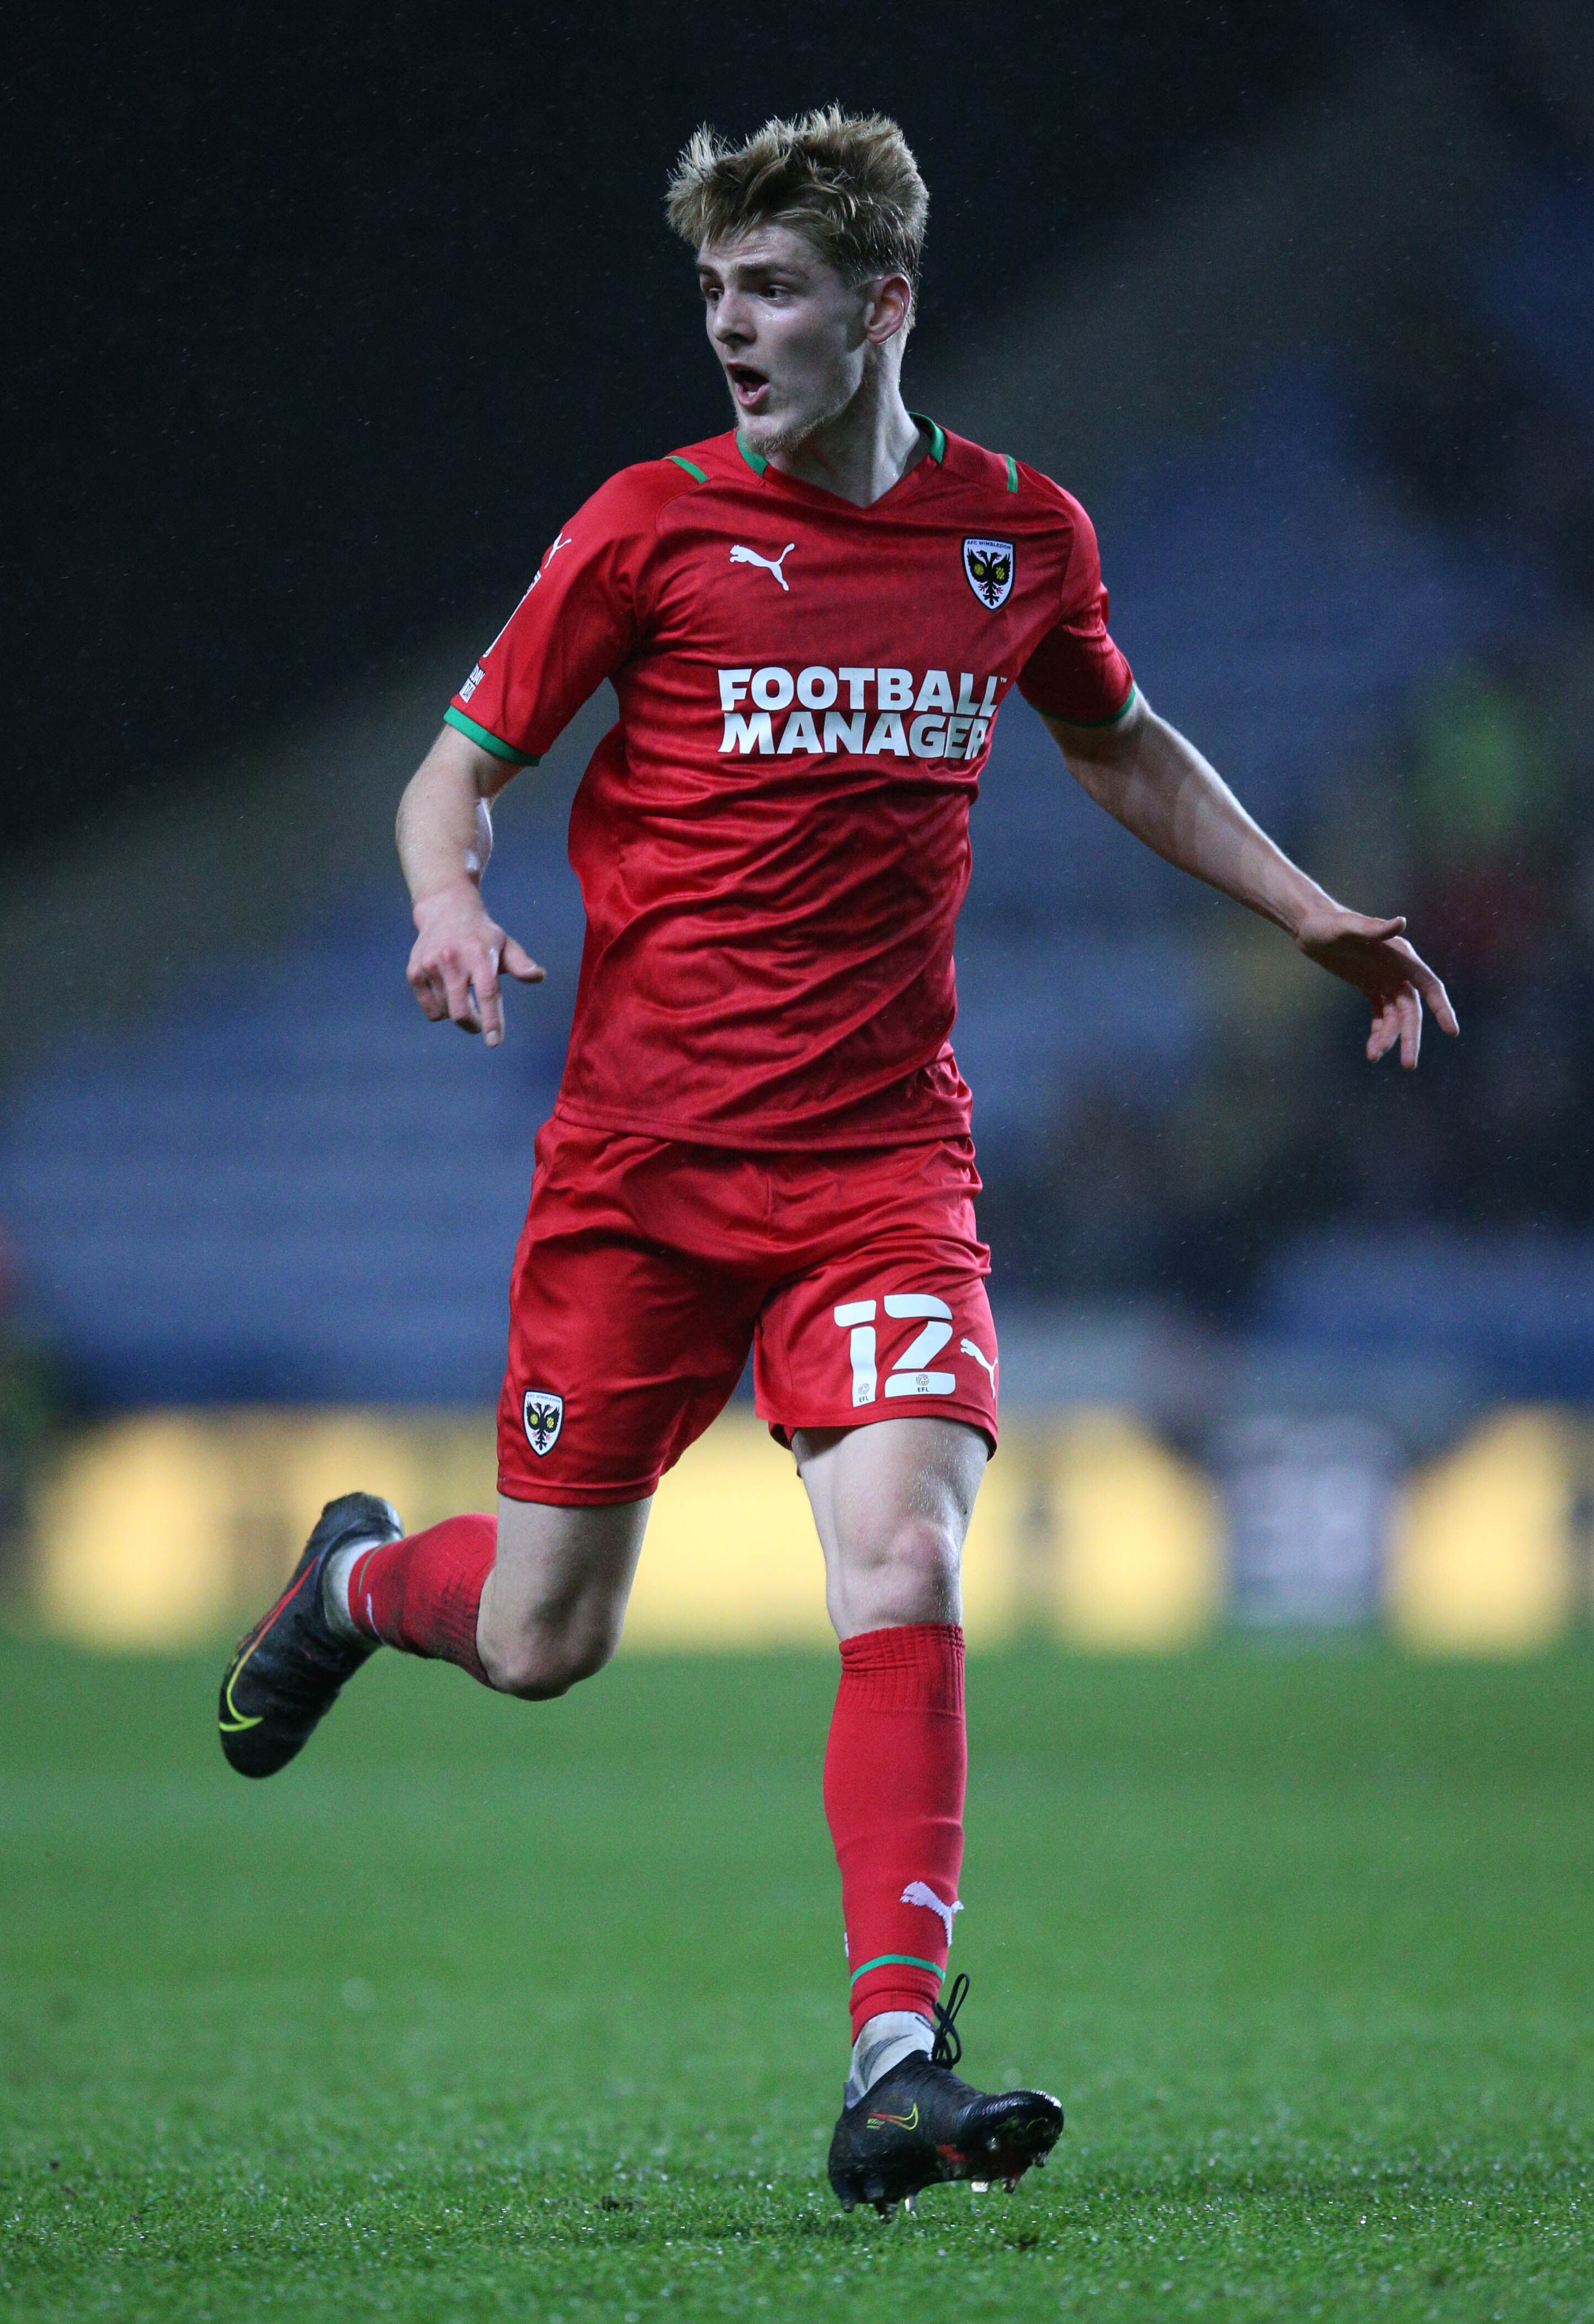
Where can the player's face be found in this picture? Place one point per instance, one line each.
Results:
(791, 334)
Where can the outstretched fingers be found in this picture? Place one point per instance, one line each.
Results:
(1434, 994)
(1398, 1017)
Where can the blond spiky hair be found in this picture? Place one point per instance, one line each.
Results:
(846, 181)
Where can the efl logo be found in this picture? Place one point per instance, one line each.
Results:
(913, 718)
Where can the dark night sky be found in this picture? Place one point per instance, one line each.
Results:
(332, 316)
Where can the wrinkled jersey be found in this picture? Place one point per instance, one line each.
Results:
(772, 843)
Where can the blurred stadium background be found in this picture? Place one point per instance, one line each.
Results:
(343, 320)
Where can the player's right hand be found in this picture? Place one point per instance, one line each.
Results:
(457, 959)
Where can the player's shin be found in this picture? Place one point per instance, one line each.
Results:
(894, 1774)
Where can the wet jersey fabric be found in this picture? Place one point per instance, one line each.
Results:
(772, 843)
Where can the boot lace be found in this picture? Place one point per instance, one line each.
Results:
(949, 2047)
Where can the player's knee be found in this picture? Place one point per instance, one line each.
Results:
(918, 1559)
(540, 1665)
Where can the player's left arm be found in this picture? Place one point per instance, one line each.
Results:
(1159, 786)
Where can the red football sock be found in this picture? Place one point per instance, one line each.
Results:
(422, 1594)
(894, 1773)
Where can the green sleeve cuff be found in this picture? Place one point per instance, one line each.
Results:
(500, 750)
(1123, 710)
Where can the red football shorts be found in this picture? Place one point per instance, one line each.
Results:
(648, 1268)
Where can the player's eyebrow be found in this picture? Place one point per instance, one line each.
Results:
(741, 271)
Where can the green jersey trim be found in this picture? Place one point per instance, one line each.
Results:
(453, 717)
(758, 464)
(884, 1961)
(1123, 710)
(1012, 472)
(690, 466)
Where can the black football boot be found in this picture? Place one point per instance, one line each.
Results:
(920, 2124)
(286, 1672)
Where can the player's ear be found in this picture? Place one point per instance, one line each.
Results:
(891, 303)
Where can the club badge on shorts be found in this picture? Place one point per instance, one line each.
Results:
(988, 568)
(543, 1414)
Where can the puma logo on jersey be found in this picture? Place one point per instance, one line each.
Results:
(919, 1892)
(740, 556)
(562, 541)
(969, 1348)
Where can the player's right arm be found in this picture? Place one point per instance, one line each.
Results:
(584, 611)
(445, 835)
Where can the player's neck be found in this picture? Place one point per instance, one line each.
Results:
(864, 449)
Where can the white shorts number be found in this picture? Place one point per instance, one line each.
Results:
(907, 1375)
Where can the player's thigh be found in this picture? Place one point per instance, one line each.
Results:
(553, 1604)
(878, 1362)
(891, 1503)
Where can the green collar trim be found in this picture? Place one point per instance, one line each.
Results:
(758, 464)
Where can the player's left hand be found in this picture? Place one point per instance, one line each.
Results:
(1376, 958)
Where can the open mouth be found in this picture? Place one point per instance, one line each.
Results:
(748, 387)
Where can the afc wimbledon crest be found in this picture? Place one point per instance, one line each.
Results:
(544, 1416)
(989, 566)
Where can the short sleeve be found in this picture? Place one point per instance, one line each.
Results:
(576, 624)
(1076, 672)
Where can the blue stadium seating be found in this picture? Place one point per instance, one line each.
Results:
(309, 1192)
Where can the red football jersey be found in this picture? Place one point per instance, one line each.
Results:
(772, 843)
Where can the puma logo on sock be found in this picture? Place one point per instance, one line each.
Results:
(917, 1892)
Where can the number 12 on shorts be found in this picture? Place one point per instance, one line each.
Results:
(907, 1375)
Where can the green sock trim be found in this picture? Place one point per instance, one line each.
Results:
(896, 1961)
(690, 466)
(489, 741)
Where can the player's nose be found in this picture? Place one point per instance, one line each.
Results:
(731, 326)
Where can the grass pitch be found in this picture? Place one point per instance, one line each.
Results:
(486, 2010)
